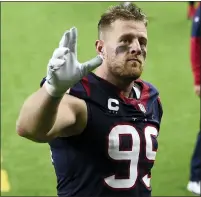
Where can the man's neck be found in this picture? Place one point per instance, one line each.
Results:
(124, 86)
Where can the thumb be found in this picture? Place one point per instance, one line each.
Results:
(91, 64)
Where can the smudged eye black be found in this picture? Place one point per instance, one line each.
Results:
(143, 42)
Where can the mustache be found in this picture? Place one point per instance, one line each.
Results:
(135, 59)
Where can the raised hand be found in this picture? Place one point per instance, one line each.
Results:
(64, 70)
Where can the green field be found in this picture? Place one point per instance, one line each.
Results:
(29, 34)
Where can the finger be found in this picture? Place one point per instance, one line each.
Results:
(54, 63)
(73, 40)
(91, 64)
(60, 52)
(64, 42)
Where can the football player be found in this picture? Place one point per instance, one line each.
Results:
(102, 127)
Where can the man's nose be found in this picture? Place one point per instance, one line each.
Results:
(135, 48)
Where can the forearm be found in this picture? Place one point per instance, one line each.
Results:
(37, 115)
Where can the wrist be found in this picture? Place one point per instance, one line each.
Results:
(52, 91)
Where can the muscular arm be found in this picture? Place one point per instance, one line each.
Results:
(43, 117)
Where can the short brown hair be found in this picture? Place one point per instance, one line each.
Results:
(123, 12)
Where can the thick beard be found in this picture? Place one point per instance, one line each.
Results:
(120, 71)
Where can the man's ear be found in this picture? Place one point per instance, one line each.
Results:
(100, 47)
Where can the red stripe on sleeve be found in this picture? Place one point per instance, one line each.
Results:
(195, 59)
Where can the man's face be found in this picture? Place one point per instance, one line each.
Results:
(125, 48)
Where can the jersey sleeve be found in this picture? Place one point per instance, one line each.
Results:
(195, 47)
(81, 91)
(78, 90)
